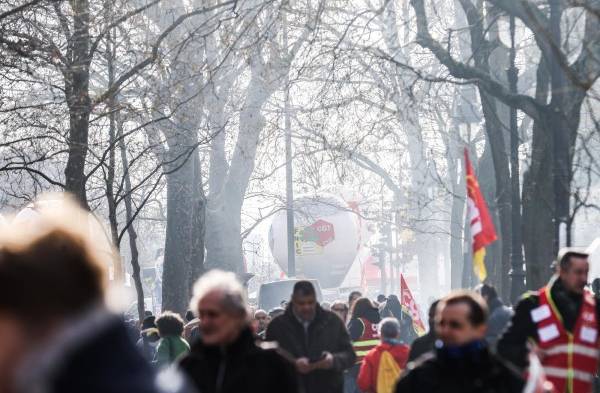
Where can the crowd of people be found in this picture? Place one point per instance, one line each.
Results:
(58, 336)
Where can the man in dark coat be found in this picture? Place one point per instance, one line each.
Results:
(93, 355)
(242, 366)
(500, 314)
(425, 343)
(226, 359)
(461, 363)
(56, 334)
(317, 339)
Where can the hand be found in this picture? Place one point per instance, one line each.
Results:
(326, 363)
(303, 365)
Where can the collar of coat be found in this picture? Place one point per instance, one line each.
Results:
(246, 340)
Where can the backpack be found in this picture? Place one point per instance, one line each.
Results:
(388, 373)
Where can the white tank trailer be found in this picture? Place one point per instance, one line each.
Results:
(326, 238)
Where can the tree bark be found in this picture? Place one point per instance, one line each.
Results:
(495, 138)
(77, 81)
(180, 245)
(223, 219)
(131, 232)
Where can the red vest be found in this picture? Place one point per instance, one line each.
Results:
(367, 341)
(571, 359)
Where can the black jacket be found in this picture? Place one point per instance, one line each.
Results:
(325, 333)
(421, 346)
(393, 308)
(478, 372)
(513, 344)
(103, 359)
(500, 316)
(241, 367)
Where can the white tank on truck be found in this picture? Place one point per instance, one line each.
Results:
(326, 239)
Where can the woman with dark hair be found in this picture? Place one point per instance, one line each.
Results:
(362, 327)
(171, 344)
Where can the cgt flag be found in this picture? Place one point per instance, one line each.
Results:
(409, 306)
(482, 227)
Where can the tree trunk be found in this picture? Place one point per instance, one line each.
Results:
(131, 232)
(547, 183)
(223, 216)
(181, 246)
(78, 100)
(496, 139)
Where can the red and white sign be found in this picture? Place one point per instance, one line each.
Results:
(325, 232)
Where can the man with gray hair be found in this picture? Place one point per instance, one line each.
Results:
(383, 364)
(227, 358)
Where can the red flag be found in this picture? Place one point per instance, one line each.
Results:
(482, 227)
(410, 307)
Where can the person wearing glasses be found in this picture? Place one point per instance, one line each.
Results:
(461, 361)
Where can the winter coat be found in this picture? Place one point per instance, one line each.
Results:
(93, 355)
(500, 316)
(367, 377)
(422, 345)
(169, 349)
(393, 308)
(476, 372)
(513, 343)
(241, 367)
(148, 343)
(325, 333)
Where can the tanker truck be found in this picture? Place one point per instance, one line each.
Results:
(327, 239)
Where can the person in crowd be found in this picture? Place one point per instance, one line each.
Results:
(462, 361)
(383, 364)
(171, 345)
(227, 359)
(353, 297)
(275, 312)
(317, 340)
(326, 306)
(261, 319)
(57, 335)
(149, 338)
(562, 320)
(393, 308)
(133, 328)
(340, 309)
(189, 316)
(425, 343)
(381, 298)
(191, 331)
(363, 333)
(500, 315)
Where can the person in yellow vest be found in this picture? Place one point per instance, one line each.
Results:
(560, 321)
(363, 333)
